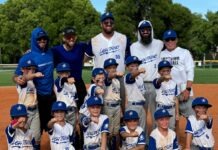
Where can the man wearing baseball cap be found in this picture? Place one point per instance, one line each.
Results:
(182, 72)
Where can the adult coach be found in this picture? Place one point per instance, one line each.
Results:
(72, 52)
(182, 71)
(148, 49)
(43, 58)
(109, 44)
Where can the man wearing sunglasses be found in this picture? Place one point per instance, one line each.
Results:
(182, 71)
(148, 49)
(43, 58)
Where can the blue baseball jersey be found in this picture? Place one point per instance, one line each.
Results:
(19, 140)
(73, 57)
(131, 142)
(92, 131)
(201, 132)
(158, 141)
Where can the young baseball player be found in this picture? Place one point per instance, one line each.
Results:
(135, 88)
(65, 91)
(28, 96)
(96, 126)
(166, 90)
(112, 101)
(162, 137)
(18, 136)
(95, 89)
(61, 132)
(199, 127)
(133, 136)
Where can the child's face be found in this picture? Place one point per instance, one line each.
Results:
(99, 79)
(132, 124)
(59, 115)
(64, 74)
(94, 110)
(22, 121)
(165, 71)
(132, 67)
(111, 69)
(27, 70)
(200, 110)
(163, 122)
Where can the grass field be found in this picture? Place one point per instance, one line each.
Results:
(203, 76)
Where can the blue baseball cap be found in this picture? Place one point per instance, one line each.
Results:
(42, 34)
(110, 62)
(18, 110)
(132, 59)
(131, 115)
(160, 113)
(144, 24)
(164, 63)
(200, 101)
(62, 67)
(27, 62)
(97, 71)
(58, 105)
(169, 34)
(94, 100)
(106, 15)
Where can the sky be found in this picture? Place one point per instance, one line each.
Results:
(196, 6)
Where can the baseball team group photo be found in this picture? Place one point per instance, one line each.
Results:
(137, 80)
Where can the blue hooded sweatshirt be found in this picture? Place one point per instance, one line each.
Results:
(44, 62)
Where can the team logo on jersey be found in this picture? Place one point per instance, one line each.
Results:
(149, 59)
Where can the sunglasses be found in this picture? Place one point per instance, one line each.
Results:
(42, 38)
(108, 22)
(145, 29)
(30, 68)
(70, 36)
(170, 39)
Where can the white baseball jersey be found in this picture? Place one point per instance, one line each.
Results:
(19, 140)
(27, 94)
(61, 137)
(65, 92)
(92, 133)
(166, 92)
(201, 132)
(135, 88)
(158, 141)
(131, 142)
(103, 48)
(91, 92)
(183, 66)
(149, 55)
(112, 91)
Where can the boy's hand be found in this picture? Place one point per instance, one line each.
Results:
(177, 117)
(167, 77)
(20, 80)
(71, 80)
(99, 91)
(119, 74)
(53, 120)
(204, 117)
(141, 70)
(134, 134)
(95, 119)
(15, 122)
(38, 75)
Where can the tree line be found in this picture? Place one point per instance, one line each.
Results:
(197, 33)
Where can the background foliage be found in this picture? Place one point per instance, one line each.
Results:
(19, 17)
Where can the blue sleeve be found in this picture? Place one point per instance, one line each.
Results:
(34, 143)
(122, 129)
(210, 123)
(129, 79)
(105, 126)
(50, 131)
(188, 127)
(156, 85)
(141, 139)
(9, 131)
(128, 43)
(175, 144)
(152, 144)
(59, 82)
(176, 91)
(89, 49)
(93, 91)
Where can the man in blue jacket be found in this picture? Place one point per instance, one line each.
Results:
(43, 58)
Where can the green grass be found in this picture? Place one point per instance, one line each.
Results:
(203, 76)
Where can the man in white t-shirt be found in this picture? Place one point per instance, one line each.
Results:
(148, 49)
(182, 71)
(109, 44)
